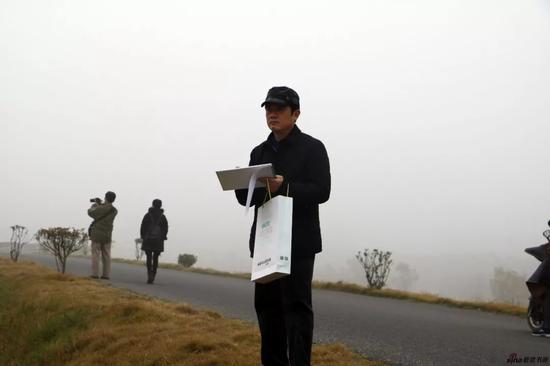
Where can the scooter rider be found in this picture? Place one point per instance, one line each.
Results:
(544, 284)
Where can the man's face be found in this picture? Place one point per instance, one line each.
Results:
(280, 119)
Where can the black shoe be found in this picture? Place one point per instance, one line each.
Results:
(104, 278)
(544, 332)
(95, 277)
(150, 277)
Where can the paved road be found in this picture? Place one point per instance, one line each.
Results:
(395, 331)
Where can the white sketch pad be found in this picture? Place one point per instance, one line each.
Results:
(239, 178)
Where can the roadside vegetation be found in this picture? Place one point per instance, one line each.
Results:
(48, 318)
(17, 241)
(494, 307)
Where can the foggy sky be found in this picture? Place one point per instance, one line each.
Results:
(434, 115)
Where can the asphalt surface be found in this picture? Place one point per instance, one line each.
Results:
(394, 331)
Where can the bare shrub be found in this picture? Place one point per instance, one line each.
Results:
(403, 277)
(61, 242)
(376, 264)
(85, 249)
(187, 260)
(17, 241)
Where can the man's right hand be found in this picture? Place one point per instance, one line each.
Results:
(274, 183)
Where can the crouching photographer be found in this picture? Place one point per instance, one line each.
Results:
(100, 232)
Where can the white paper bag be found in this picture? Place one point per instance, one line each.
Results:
(273, 242)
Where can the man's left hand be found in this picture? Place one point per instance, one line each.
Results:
(275, 183)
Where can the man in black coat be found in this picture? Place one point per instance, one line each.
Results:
(301, 164)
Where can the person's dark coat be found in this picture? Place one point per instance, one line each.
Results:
(541, 276)
(151, 218)
(303, 162)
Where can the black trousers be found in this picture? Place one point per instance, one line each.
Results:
(285, 316)
(546, 309)
(152, 260)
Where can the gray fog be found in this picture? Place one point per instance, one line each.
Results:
(435, 115)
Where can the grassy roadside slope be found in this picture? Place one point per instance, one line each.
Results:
(51, 319)
(493, 307)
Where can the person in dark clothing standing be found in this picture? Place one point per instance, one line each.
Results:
(153, 232)
(284, 307)
(539, 283)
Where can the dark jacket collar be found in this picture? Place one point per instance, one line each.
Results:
(292, 137)
(156, 211)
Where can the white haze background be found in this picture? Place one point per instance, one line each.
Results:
(435, 115)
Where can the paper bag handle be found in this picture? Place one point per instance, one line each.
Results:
(269, 190)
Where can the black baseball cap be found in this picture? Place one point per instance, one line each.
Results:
(282, 95)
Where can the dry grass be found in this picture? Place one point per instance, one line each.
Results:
(493, 307)
(423, 297)
(52, 319)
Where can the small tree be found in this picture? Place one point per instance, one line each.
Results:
(85, 249)
(403, 276)
(376, 264)
(17, 241)
(61, 242)
(187, 260)
(508, 286)
(139, 252)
